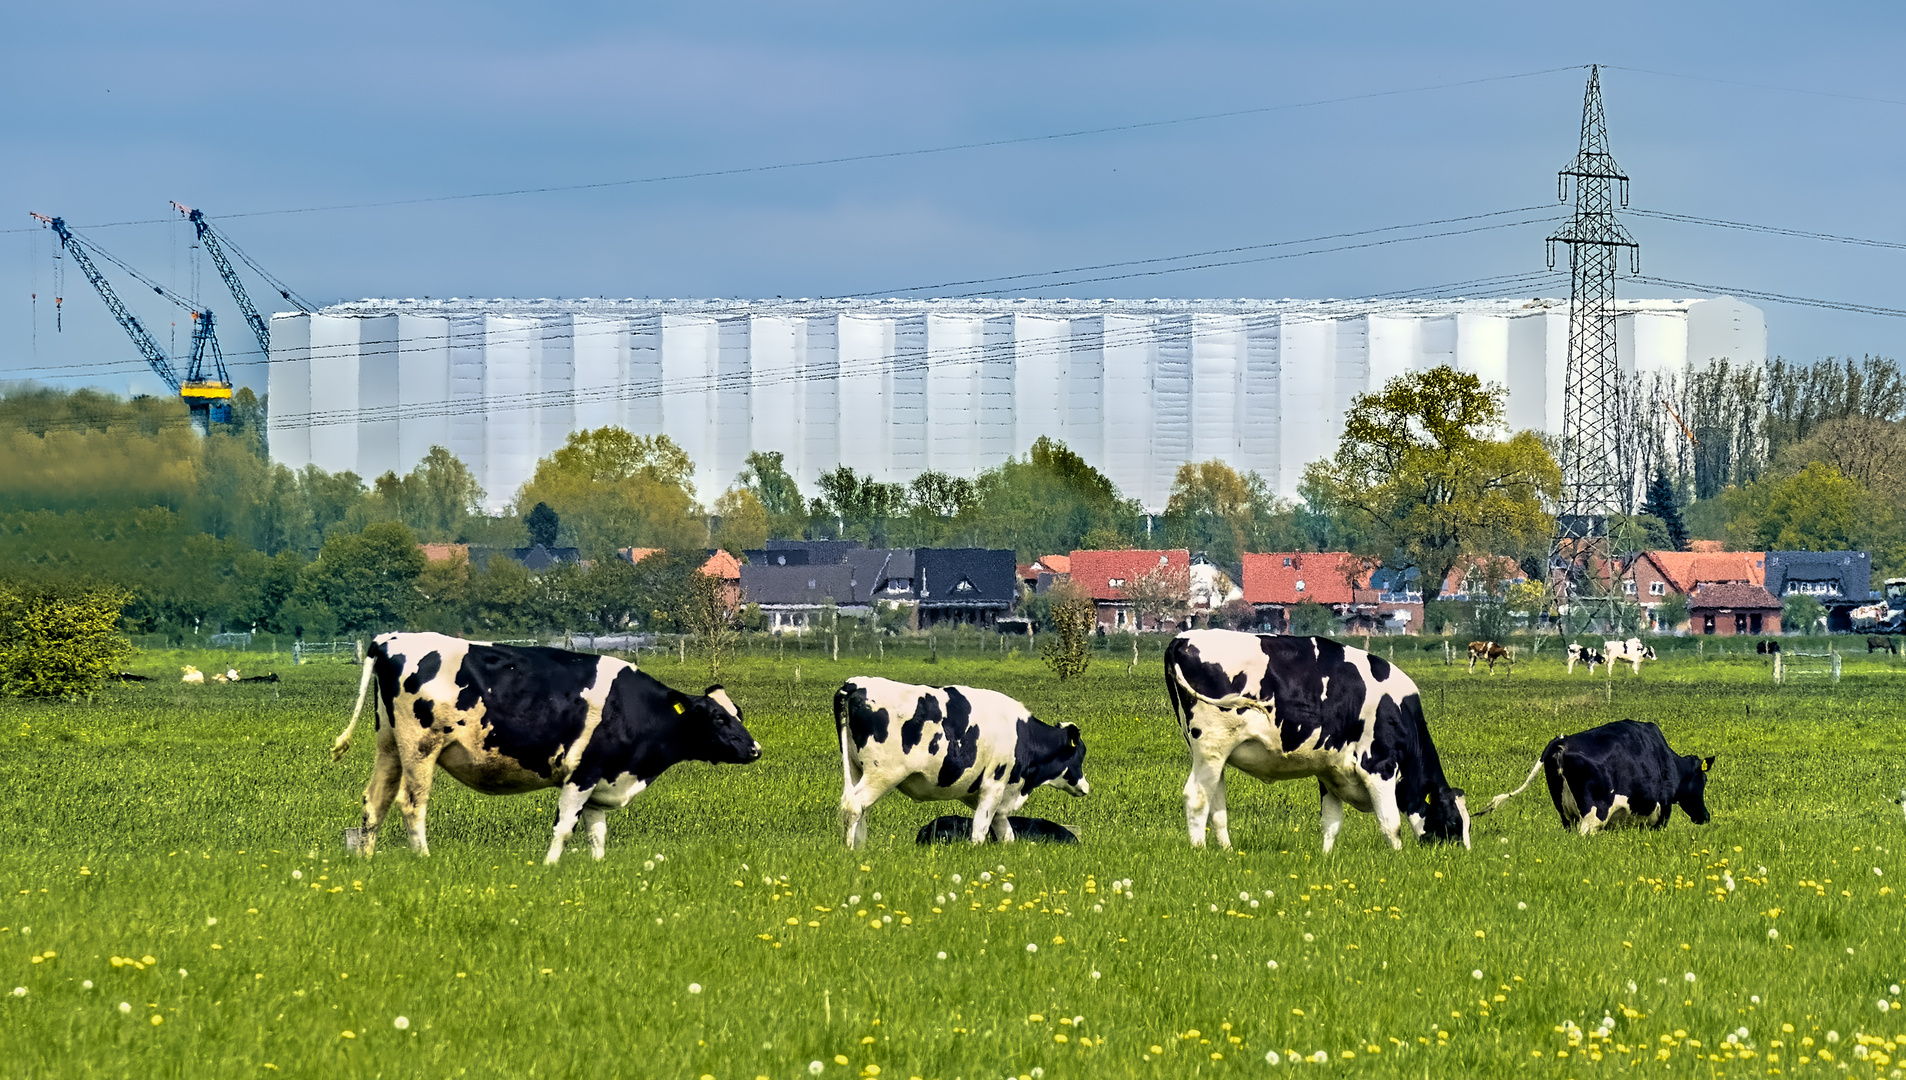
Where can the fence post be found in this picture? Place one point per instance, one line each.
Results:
(1836, 666)
(1778, 669)
(1445, 652)
(358, 649)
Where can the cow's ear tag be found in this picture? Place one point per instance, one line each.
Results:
(678, 706)
(1704, 764)
(1426, 800)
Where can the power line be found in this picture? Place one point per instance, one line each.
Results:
(1756, 86)
(1779, 298)
(1772, 230)
(851, 158)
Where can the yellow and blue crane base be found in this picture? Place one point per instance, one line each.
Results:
(209, 401)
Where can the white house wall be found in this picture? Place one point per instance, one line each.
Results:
(891, 388)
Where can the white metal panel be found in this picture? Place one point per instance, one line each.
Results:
(1084, 401)
(733, 405)
(1555, 367)
(555, 395)
(1310, 383)
(644, 390)
(1725, 328)
(776, 397)
(511, 348)
(1528, 375)
(956, 354)
(993, 429)
(599, 354)
(690, 363)
(1041, 347)
(335, 384)
(1261, 419)
(469, 414)
(822, 439)
(1482, 347)
(1660, 342)
(289, 384)
(421, 356)
(866, 349)
(1396, 345)
(377, 395)
(906, 401)
(1217, 370)
(1130, 434)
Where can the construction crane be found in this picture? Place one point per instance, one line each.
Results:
(215, 244)
(209, 400)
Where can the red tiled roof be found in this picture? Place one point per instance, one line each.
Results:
(1507, 571)
(1687, 569)
(1733, 594)
(1096, 570)
(445, 552)
(1292, 577)
(1055, 564)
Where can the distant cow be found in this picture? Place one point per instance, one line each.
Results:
(978, 747)
(1633, 651)
(191, 674)
(1489, 652)
(955, 829)
(1882, 643)
(1279, 708)
(269, 677)
(506, 720)
(1772, 648)
(1584, 654)
(1619, 772)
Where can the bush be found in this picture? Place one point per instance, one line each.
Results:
(1439, 614)
(1799, 612)
(60, 643)
(1672, 612)
(1068, 649)
(1310, 619)
(1239, 614)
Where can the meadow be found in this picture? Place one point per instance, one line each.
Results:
(177, 902)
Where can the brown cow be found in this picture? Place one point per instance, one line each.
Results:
(1489, 652)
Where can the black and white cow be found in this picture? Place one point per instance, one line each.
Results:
(506, 720)
(978, 747)
(1633, 650)
(1585, 655)
(1280, 708)
(1619, 772)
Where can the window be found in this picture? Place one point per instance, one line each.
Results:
(1287, 560)
(1116, 583)
(1300, 586)
(1628, 587)
(1707, 624)
(1753, 624)
(1657, 588)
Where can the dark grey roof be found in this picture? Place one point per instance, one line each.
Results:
(966, 577)
(874, 568)
(819, 552)
(796, 584)
(1826, 574)
(534, 558)
(779, 557)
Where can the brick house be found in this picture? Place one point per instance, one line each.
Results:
(1657, 575)
(719, 565)
(1731, 608)
(1275, 582)
(1840, 580)
(1104, 575)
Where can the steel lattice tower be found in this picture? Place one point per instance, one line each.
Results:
(1590, 480)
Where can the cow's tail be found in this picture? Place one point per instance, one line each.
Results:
(1503, 798)
(343, 745)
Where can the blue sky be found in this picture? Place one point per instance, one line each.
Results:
(112, 109)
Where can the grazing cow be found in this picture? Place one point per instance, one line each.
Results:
(1882, 643)
(1631, 650)
(192, 674)
(1772, 648)
(1279, 708)
(955, 829)
(1489, 652)
(270, 677)
(127, 676)
(1619, 772)
(506, 720)
(1585, 655)
(978, 747)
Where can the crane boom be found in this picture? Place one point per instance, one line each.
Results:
(209, 237)
(160, 363)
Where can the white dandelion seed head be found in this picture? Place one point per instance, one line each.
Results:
(940, 956)
(1310, 937)
(212, 920)
(1037, 1072)
(1001, 868)
(1078, 1021)
(876, 896)
(1268, 894)
(1761, 871)
(125, 1006)
(1476, 974)
(1522, 905)
(1030, 947)
(1244, 896)
(1271, 1058)
(940, 899)
(1833, 1036)
(402, 1023)
(986, 875)
(1007, 887)
(1741, 1031)
(886, 918)
(1689, 976)
(297, 875)
(1772, 933)
(1254, 903)
(1631, 986)
(1095, 974)
(814, 1068)
(1272, 964)
(1755, 999)
(1098, 907)
(648, 864)
(19, 991)
(1320, 1057)
(694, 988)
(1885, 1004)
(957, 879)
(854, 899)
(87, 985)
(1214, 907)
(659, 857)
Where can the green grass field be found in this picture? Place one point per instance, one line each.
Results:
(177, 901)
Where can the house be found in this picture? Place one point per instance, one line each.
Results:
(536, 558)
(883, 575)
(1840, 580)
(1480, 577)
(1274, 582)
(720, 565)
(435, 553)
(1106, 575)
(1733, 608)
(1040, 575)
(803, 552)
(1396, 600)
(964, 585)
(1211, 586)
(793, 596)
(1656, 575)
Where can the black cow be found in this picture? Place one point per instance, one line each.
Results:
(1772, 648)
(506, 720)
(953, 828)
(1619, 772)
(974, 746)
(1280, 708)
(1882, 643)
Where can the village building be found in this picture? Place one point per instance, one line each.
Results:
(1106, 577)
(973, 586)
(1733, 608)
(1840, 580)
(1275, 582)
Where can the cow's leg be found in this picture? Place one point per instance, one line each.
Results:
(985, 811)
(1204, 791)
(1221, 813)
(386, 773)
(413, 795)
(1383, 804)
(1332, 816)
(595, 821)
(854, 802)
(568, 807)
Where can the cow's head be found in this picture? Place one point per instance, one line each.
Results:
(1691, 794)
(716, 729)
(1071, 779)
(1648, 653)
(1445, 817)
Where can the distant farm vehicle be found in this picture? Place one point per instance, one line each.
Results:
(1885, 616)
